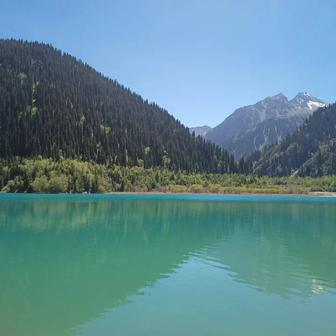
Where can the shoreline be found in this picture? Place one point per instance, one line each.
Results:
(144, 193)
(314, 194)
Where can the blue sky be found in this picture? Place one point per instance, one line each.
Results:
(199, 59)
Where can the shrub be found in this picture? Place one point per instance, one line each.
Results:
(40, 184)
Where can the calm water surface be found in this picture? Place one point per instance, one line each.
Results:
(158, 265)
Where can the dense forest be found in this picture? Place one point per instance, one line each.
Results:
(55, 106)
(309, 151)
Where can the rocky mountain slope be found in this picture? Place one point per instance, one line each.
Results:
(250, 128)
(200, 130)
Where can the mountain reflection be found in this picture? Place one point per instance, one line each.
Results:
(66, 261)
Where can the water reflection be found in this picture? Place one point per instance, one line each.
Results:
(282, 249)
(64, 262)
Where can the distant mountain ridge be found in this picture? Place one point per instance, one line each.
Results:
(200, 130)
(252, 127)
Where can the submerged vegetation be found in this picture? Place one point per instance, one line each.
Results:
(73, 176)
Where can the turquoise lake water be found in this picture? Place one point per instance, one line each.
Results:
(167, 265)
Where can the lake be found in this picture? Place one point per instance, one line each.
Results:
(167, 265)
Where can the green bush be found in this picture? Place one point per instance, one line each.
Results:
(58, 184)
(196, 188)
(40, 184)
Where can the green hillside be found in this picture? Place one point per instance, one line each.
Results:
(54, 105)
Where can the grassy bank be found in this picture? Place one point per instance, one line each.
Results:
(73, 176)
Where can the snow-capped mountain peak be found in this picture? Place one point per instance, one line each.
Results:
(249, 128)
(307, 101)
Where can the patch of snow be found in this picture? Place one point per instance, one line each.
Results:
(313, 105)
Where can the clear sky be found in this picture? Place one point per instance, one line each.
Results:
(199, 59)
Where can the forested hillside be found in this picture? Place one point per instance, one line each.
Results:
(55, 106)
(311, 150)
